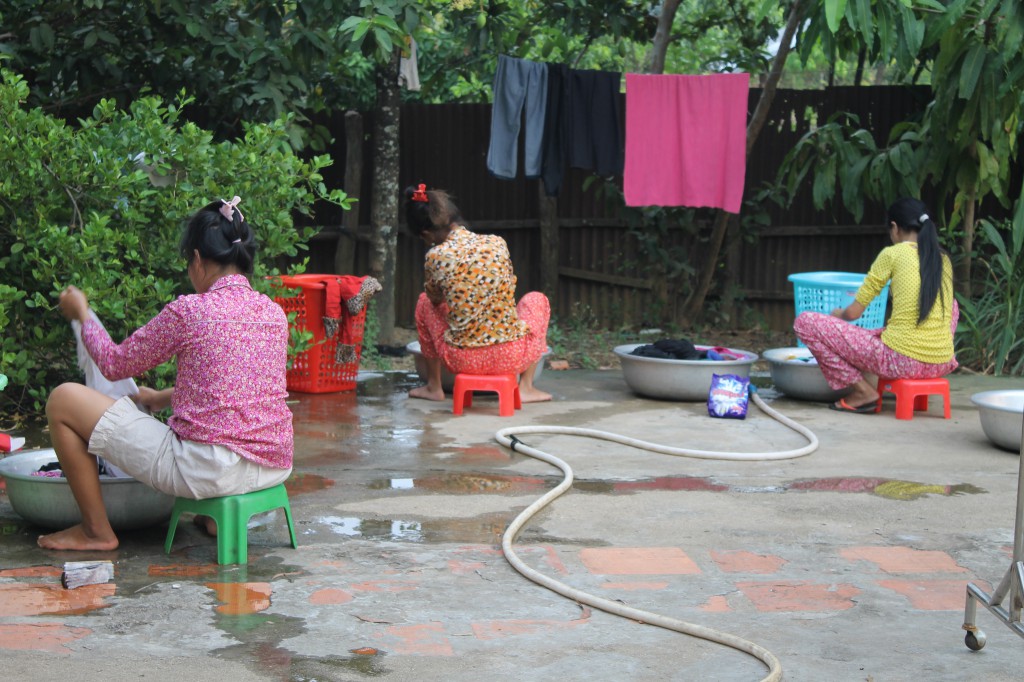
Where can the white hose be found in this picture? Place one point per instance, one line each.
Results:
(507, 437)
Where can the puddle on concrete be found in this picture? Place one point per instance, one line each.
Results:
(884, 487)
(480, 483)
(300, 482)
(283, 664)
(466, 483)
(658, 483)
(483, 529)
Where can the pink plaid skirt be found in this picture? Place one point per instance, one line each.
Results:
(502, 358)
(845, 352)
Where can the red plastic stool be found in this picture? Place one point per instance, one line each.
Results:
(505, 385)
(912, 395)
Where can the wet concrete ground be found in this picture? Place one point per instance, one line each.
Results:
(848, 564)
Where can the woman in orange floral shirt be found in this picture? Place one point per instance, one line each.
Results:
(467, 317)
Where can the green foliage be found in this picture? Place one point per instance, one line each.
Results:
(990, 335)
(100, 205)
(842, 160)
(251, 61)
(371, 356)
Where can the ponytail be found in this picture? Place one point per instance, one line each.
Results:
(931, 262)
(220, 233)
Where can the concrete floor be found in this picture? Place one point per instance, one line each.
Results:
(848, 564)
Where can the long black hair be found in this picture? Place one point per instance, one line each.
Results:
(228, 241)
(912, 215)
(429, 209)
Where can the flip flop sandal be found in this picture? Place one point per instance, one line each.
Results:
(843, 406)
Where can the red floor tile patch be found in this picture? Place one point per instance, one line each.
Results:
(49, 637)
(424, 639)
(716, 604)
(747, 562)
(799, 596)
(242, 599)
(904, 559)
(932, 595)
(386, 586)
(34, 599)
(330, 595)
(464, 567)
(32, 572)
(637, 561)
(632, 586)
(497, 629)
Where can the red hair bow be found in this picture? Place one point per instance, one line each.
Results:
(420, 194)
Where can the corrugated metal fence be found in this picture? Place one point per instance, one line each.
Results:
(601, 264)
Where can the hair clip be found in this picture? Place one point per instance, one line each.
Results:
(924, 217)
(420, 194)
(228, 208)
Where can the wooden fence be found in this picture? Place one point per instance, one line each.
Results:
(600, 264)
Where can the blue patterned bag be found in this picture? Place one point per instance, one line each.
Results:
(729, 396)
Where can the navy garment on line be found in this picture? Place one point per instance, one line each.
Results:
(573, 117)
(555, 147)
(595, 121)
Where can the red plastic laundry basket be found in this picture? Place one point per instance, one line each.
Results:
(316, 371)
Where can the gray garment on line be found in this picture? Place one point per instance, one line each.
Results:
(517, 83)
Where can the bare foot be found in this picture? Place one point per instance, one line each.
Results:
(76, 538)
(206, 523)
(532, 395)
(427, 393)
(861, 401)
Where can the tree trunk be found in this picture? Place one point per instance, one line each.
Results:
(345, 250)
(384, 196)
(963, 268)
(548, 242)
(662, 36)
(695, 304)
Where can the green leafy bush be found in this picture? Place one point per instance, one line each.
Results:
(990, 334)
(101, 204)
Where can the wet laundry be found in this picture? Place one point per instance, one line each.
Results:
(682, 349)
(686, 140)
(347, 297)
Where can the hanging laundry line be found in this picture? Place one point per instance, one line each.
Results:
(573, 117)
(680, 141)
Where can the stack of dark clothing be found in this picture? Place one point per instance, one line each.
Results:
(680, 349)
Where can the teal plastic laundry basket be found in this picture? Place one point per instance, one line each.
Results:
(823, 292)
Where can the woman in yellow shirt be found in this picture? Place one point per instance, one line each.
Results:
(917, 342)
(467, 316)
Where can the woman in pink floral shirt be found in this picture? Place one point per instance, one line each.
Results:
(230, 431)
(467, 316)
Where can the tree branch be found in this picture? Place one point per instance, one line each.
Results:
(74, 204)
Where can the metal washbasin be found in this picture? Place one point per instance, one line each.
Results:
(1002, 414)
(48, 502)
(685, 380)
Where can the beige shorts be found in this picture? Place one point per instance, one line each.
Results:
(149, 451)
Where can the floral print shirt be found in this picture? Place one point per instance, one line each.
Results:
(231, 345)
(473, 274)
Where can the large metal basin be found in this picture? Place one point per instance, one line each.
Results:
(48, 502)
(795, 373)
(678, 379)
(1002, 413)
(447, 378)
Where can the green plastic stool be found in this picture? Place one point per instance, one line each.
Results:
(232, 514)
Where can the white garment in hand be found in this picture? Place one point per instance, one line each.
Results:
(94, 379)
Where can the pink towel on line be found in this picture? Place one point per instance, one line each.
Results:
(686, 140)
